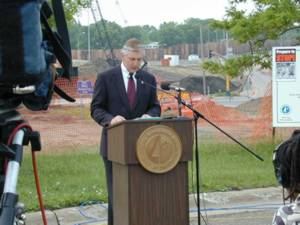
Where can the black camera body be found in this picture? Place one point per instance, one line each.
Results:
(28, 48)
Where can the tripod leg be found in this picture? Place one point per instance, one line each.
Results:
(2, 175)
(9, 198)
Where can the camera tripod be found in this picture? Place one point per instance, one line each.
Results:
(15, 133)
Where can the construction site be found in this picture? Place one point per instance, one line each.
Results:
(246, 114)
(241, 107)
(235, 102)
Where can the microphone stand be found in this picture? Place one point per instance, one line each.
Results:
(197, 168)
(198, 115)
(179, 102)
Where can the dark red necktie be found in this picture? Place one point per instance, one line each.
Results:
(131, 91)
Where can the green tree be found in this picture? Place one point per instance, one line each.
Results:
(74, 31)
(191, 30)
(268, 21)
(73, 7)
(150, 34)
(232, 67)
(116, 34)
(169, 34)
(133, 32)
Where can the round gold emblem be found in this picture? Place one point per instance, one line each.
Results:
(159, 149)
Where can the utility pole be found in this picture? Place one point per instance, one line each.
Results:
(226, 44)
(227, 75)
(217, 41)
(89, 38)
(78, 47)
(202, 59)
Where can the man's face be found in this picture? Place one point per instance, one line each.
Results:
(133, 60)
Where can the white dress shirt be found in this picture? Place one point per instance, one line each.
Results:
(126, 76)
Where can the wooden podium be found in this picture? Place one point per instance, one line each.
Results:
(141, 196)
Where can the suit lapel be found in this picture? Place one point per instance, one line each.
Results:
(139, 90)
(121, 88)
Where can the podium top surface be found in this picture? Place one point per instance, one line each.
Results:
(150, 120)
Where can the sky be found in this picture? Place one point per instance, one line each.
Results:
(155, 12)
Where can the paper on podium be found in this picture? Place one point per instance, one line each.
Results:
(148, 118)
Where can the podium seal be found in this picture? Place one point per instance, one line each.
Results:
(159, 149)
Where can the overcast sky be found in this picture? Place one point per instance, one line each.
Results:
(155, 12)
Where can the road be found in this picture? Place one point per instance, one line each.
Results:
(262, 217)
(246, 207)
(231, 101)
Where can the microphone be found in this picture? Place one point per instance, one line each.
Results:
(145, 64)
(163, 89)
(140, 69)
(167, 86)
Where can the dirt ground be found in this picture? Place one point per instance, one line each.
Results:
(64, 131)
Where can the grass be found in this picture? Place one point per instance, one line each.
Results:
(66, 179)
(229, 167)
(69, 179)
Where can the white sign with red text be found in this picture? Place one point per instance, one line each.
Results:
(286, 86)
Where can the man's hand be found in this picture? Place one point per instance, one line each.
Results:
(117, 119)
(145, 116)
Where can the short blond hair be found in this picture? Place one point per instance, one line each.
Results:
(132, 45)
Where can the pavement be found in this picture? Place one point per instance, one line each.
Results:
(245, 207)
(231, 101)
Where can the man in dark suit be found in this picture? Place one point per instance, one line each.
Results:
(119, 96)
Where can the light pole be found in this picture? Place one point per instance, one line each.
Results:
(202, 59)
(227, 76)
(89, 38)
(78, 49)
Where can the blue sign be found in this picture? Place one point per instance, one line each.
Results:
(84, 87)
(285, 109)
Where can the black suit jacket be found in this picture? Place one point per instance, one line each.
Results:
(110, 99)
